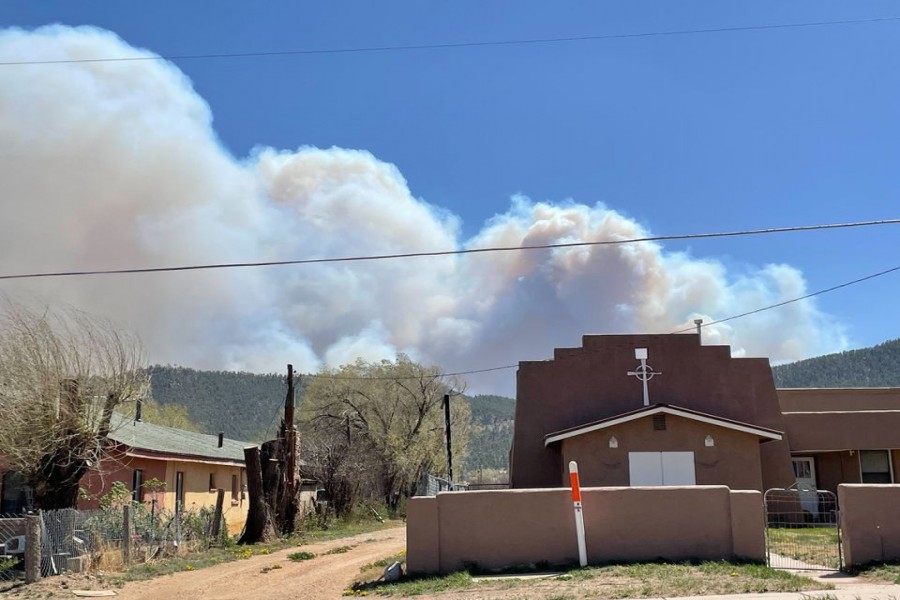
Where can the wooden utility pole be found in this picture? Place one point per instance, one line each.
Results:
(290, 435)
(447, 437)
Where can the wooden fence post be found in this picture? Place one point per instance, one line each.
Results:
(217, 517)
(126, 534)
(32, 548)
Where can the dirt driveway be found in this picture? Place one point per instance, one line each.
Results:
(324, 577)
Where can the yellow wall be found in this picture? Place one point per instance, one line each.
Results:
(197, 492)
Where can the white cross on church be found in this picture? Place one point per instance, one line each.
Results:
(644, 372)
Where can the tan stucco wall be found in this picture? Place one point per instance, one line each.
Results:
(422, 537)
(748, 524)
(733, 461)
(812, 431)
(870, 522)
(581, 385)
(197, 493)
(838, 399)
(496, 529)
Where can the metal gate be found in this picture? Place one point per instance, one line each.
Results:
(803, 529)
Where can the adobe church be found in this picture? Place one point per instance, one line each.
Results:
(638, 410)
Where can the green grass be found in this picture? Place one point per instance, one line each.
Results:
(340, 550)
(426, 585)
(298, 556)
(813, 545)
(882, 571)
(637, 580)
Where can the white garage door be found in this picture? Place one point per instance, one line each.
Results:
(661, 468)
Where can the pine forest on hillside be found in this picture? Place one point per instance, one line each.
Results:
(878, 366)
(246, 406)
(243, 405)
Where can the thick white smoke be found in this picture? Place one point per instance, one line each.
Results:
(109, 165)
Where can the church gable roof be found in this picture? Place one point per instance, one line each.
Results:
(654, 409)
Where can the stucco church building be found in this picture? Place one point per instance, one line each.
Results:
(644, 410)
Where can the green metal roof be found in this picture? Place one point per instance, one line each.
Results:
(157, 438)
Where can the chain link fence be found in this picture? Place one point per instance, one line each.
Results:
(12, 549)
(109, 539)
(430, 485)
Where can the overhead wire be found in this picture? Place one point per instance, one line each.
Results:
(688, 329)
(403, 255)
(455, 45)
(792, 300)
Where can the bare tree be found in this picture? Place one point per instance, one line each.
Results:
(382, 421)
(62, 374)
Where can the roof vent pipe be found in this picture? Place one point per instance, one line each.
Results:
(137, 410)
(221, 438)
(699, 324)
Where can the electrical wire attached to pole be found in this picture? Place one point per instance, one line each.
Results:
(377, 257)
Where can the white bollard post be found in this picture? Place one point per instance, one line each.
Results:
(579, 515)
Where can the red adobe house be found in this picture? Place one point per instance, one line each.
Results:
(193, 466)
(707, 418)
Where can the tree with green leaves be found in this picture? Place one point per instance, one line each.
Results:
(373, 428)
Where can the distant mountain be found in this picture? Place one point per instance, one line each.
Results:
(243, 405)
(492, 429)
(247, 406)
(878, 366)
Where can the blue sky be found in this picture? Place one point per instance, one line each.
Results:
(683, 133)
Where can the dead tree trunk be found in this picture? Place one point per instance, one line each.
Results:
(281, 467)
(260, 526)
(278, 468)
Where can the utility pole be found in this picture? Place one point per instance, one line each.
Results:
(290, 432)
(447, 437)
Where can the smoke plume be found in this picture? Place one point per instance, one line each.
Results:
(117, 164)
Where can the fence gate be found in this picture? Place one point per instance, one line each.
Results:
(803, 529)
(429, 485)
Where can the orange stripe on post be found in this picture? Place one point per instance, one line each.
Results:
(576, 487)
(579, 517)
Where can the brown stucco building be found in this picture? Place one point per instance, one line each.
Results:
(708, 419)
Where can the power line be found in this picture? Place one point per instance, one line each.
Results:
(309, 261)
(411, 377)
(455, 45)
(831, 289)
(687, 329)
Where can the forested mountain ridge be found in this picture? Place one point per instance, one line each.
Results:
(878, 366)
(492, 429)
(246, 406)
(243, 405)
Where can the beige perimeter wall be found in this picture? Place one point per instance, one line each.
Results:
(870, 522)
(496, 529)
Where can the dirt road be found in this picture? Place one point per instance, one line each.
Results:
(324, 577)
